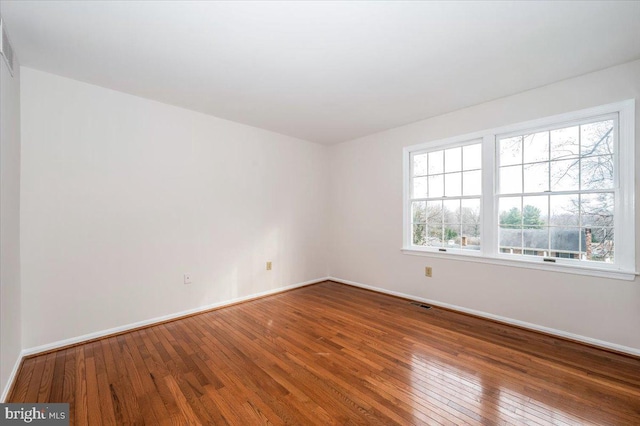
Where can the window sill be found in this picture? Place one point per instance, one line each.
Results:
(615, 274)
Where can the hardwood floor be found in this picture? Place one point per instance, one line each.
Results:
(334, 354)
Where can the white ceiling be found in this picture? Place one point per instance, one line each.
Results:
(322, 71)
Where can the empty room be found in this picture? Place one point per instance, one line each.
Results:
(315, 213)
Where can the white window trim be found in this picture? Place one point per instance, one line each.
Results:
(625, 267)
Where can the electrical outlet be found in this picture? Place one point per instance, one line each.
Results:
(187, 278)
(268, 266)
(428, 271)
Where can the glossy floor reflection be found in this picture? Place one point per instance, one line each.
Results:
(465, 396)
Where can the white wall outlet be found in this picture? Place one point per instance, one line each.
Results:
(187, 278)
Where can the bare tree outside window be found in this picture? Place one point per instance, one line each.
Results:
(558, 192)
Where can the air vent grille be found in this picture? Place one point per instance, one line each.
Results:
(5, 47)
(421, 305)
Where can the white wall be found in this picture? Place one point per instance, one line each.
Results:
(366, 222)
(10, 326)
(122, 195)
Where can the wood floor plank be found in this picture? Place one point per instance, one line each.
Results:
(334, 354)
(102, 385)
(55, 393)
(94, 407)
(150, 401)
(156, 371)
(81, 412)
(118, 402)
(136, 375)
(47, 378)
(21, 384)
(185, 408)
(69, 383)
(33, 388)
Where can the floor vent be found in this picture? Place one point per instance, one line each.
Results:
(421, 305)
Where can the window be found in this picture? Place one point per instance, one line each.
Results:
(445, 197)
(552, 193)
(556, 193)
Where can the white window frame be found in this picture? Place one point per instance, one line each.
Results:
(624, 221)
(457, 144)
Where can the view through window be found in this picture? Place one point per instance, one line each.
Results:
(446, 188)
(557, 190)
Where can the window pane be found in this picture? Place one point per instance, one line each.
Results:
(419, 212)
(510, 151)
(419, 237)
(564, 175)
(419, 187)
(436, 162)
(472, 157)
(472, 183)
(565, 240)
(434, 213)
(453, 184)
(510, 211)
(536, 239)
(597, 138)
(470, 212)
(510, 240)
(564, 143)
(453, 159)
(470, 238)
(597, 209)
(535, 212)
(434, 236)
(511, 180)
(436, 186)
(452, 235)
(451, 211)
(536, 177)
(599, 244)
(597, 172)
(420, 165)
(470, 217)
(536, 147)
(564, 210)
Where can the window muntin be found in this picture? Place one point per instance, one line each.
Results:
(570, 178)
(556, 191)
(446, 185)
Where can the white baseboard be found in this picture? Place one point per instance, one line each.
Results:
(149, 322)
(584, 339)
(12, 377)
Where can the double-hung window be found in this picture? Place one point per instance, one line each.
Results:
(551, 193)
(446, 185)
